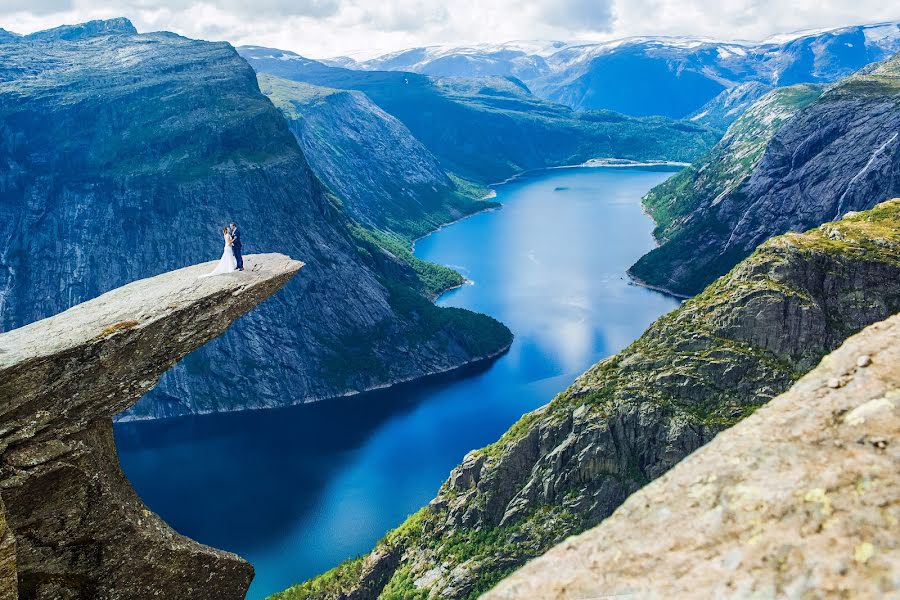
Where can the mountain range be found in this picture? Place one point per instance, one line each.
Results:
(124, 153)
(812, 158)
(491, 128)
(670, 76)
(630, 418)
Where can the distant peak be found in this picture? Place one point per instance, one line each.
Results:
(8, 36)
(117, 26)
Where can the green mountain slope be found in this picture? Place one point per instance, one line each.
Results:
(729, 163)
(627, 420)
(489, 129)
(792, 162)
(386, 178)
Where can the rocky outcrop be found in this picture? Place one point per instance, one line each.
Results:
(840, 153)
(118, 26)
(123, 156)
(492, 128)
(80, 530)
(801, 499)
(632, 417)
(9, 584)
(385, 177)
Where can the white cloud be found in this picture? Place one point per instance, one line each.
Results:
(320, 28)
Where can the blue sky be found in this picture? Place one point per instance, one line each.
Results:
(321, 28)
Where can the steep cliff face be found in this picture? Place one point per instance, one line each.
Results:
(630, 418)
(386, 178)
(125, 154)
(766, 519)
(492, 128)
(729, 164)
(79, 529)
(729, 105)
(840, 153)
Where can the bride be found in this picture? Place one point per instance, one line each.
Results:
(228, 263)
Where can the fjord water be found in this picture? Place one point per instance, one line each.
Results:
(297, 490)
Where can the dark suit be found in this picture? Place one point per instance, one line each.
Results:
(236, 247)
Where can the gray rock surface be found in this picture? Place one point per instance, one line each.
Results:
(9, 584)
(117, 26)
(800, 500)
(80, 530)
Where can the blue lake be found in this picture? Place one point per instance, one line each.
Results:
(297, 490)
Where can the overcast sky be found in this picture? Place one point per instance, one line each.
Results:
(323, 28)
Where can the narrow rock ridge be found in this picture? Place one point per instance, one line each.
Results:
(801, 499)
(61, 381)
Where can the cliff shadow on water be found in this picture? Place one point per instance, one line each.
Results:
(284, 456)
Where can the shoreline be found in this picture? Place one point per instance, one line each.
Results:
(474, 362)
(597, 163)
(591, 163)
(449, 371)
(656, 288)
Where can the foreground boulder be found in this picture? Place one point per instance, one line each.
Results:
(80, 530)
(802, 499)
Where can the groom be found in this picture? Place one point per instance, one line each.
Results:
(236, 246)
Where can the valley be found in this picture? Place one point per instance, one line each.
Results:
(334, 477)
(566, 273)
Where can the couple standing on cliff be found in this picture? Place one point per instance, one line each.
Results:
(231, 260)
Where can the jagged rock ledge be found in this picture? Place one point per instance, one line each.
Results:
(801, 499)
(73, 527)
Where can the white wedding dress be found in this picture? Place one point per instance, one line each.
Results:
(227, 264)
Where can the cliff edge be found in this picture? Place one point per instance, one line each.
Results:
(799, 499)
(73, 527)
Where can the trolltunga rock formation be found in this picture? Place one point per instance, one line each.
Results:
(72, 526)
(800, 500)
